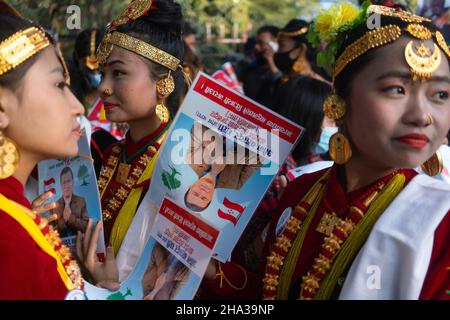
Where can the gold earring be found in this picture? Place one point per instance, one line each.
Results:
(162, 112)
(334, 107)
(165, 86)
(108, 92)
(9, 157)
(434, 165)
(340, 149)
(299, 65)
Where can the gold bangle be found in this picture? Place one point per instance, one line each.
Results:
(223, 277)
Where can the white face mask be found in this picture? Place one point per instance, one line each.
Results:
(322, 146)
(94, 79)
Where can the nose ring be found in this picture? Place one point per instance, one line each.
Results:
(108, 91)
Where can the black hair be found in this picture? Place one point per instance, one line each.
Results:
(344, 80)
(270, 29)
(311, 53)
(162, 28)
(79, 83)
(82, 47)
(66, 170)
(188, 29)
(9, 25)
(301, 100)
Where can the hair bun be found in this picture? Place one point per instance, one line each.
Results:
(167, 16)
(295, 25)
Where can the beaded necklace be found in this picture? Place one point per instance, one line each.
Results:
(303, 214)
(127, 180)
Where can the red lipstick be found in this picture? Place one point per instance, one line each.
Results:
(109, 106)
(414, 140)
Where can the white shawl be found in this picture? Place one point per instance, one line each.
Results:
(400, 244)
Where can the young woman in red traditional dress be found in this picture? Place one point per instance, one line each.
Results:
(141, 64)
(38, 120)
(369, 227)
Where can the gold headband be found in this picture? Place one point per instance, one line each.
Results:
(294, 33)
(138, 46)
(380, 37)
(370, 40)
(20, 47)
(393, 12)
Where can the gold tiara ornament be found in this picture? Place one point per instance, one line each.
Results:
(138, 46)
(133, 11)
(393, 12)
(92, 60)
(21, 46)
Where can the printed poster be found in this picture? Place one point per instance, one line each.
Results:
(219, 158)
(221, 155)
(159, 274)
(74, 183)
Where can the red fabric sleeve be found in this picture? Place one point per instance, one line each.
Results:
(26, 272)
(437, 281)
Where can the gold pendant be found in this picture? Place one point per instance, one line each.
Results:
(163, 113)
(422, 62)
(328, 223)
(123, 173)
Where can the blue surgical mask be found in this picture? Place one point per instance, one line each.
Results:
(322, 145)
(94, 79)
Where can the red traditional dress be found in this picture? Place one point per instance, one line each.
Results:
(291, 284)
(124, 181)
(28, 268)
(247, 251)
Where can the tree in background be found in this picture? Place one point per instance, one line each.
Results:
(227, 18)
(246, 13)
(53, 15)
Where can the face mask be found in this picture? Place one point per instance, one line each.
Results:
(283, 61)
(322, 146)
(94, 80)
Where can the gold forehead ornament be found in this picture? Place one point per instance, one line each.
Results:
(421, 61)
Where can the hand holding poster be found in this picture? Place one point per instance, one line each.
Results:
(172, 270)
